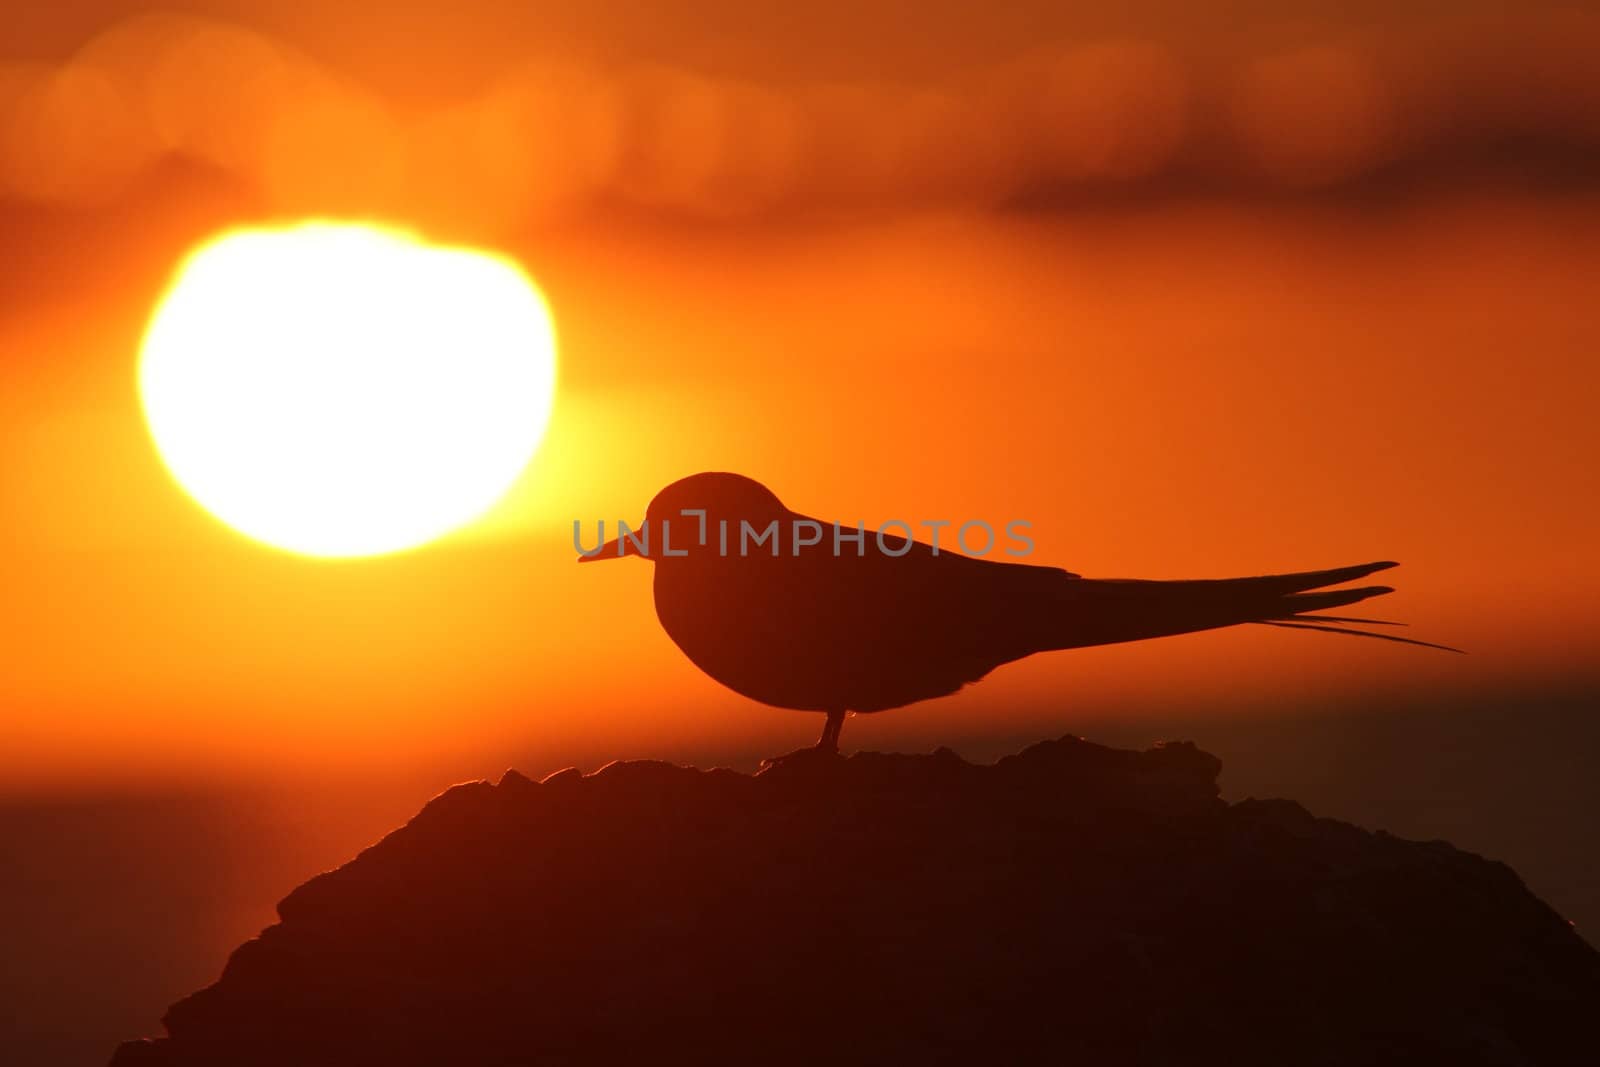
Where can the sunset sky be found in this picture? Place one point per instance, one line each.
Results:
(1191, 304)
(1194, 290)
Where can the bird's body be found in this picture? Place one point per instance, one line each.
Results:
(863, 633)
(874, 624)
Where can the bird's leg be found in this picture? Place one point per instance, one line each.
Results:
(822, 752)
(830, 732)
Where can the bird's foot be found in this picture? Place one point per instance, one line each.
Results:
(817, 754)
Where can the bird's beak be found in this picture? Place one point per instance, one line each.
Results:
(615, 548)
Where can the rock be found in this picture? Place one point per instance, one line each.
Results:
(1069, 903)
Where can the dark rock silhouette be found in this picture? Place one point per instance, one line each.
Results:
(1073, 903)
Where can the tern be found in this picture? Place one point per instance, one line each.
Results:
(775, 606)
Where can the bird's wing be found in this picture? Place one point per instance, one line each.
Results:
(926, 622)
(1108, 611)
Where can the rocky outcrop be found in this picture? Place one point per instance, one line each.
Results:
(1070, 903)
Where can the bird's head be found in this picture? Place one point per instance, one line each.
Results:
(689, 517)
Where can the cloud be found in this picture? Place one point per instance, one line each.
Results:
(562, 135)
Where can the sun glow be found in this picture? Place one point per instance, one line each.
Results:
(346, 390)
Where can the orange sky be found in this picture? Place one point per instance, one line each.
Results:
(1192, 385)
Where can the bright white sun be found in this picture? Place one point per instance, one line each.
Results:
(346, 390)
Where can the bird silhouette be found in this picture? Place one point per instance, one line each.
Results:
(874, 624)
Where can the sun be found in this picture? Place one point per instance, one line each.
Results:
(338, 389)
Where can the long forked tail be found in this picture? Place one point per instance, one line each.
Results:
(1127, 610)
(1298, 596)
